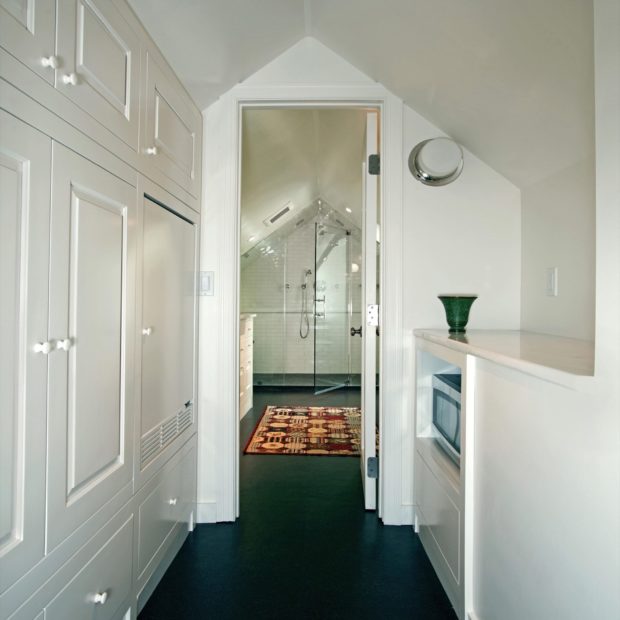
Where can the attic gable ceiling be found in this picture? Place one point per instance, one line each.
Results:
(512, 81)
(294, 157)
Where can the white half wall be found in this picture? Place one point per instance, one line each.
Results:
(463, 237)
(559, 231)
(547, 496)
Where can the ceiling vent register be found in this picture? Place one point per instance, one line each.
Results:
(272, 219)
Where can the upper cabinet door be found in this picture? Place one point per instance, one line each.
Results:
(91, 308)
(100, 57)
(27, 30)
(172, 128)
(24, 244)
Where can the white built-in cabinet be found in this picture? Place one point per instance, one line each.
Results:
(98, 55)
(246, 363)
(92, 306)
(25, 159)
(98, 257)
(171, 129)
(27, 31)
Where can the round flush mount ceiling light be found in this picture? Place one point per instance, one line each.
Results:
(437, 161)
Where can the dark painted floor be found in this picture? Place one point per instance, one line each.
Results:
(303, 548)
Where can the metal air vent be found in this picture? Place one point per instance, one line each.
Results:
(272, 219)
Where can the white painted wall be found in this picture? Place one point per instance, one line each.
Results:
(547, 512)
(559, 231)
(464, 237)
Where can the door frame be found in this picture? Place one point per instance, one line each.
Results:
(394, 448)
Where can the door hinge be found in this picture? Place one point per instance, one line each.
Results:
(374, 164)
(372, 467)
(372, 315)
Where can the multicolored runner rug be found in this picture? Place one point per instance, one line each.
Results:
(328, 431)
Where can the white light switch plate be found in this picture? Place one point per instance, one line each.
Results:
(205, 282)
(551, 286)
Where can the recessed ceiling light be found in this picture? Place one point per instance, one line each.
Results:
(251, 238)
(348, 210)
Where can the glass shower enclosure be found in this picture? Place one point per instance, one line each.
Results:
(303, 283)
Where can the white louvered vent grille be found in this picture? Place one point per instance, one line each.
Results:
(157, 439)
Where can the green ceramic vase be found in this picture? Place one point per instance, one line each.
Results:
(457, 310)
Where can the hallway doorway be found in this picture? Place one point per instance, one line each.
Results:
(309, 267)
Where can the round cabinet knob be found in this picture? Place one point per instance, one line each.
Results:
(42, 347)
(70, 79)
(151, 150)
(63, 345)
(100, 598)
(147, 331)
(173, 501)
(50, 62)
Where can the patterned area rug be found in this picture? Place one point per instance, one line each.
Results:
(328, 431)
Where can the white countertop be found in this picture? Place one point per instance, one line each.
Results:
(537, 354)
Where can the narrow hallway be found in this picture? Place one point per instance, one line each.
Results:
(303, 547)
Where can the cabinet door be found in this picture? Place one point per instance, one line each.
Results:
(172, 128)
(101, 61)
(25, 156)
(27, 29)
(168, 301)
(91, 304)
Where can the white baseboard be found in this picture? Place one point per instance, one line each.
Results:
(206, 512)
(408, 514)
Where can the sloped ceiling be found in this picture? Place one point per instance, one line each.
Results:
(296, 157)
(512, 81)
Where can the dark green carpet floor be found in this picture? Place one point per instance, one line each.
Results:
(303, 548)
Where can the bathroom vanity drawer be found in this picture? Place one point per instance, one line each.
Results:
(102, 585)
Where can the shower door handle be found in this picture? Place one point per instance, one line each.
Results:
(356, 332)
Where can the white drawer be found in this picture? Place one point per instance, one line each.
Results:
(102, 586)
(164, 507)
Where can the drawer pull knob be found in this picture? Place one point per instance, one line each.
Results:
(42, 347)
(151, 150)
(100, 598)
(50, 62)
(70, 79)
(173, 501)
(147, 331)
(64, 345)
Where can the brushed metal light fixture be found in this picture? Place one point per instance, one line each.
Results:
(436, 162)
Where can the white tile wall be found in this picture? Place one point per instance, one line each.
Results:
(271, 289)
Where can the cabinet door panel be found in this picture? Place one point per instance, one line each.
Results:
(25, 156)
(172, 129)
(168, 301)
(91, 270)
(97, 45)
(27, 30)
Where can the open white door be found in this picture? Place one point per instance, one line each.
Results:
(369, 461)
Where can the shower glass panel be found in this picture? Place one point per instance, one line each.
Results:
(331, 308)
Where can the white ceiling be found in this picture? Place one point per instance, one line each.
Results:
(296, 157)
(511, 80)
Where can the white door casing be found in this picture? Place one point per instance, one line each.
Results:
(92, 261)
(25, 159)
(218, 496)
(369, 297)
